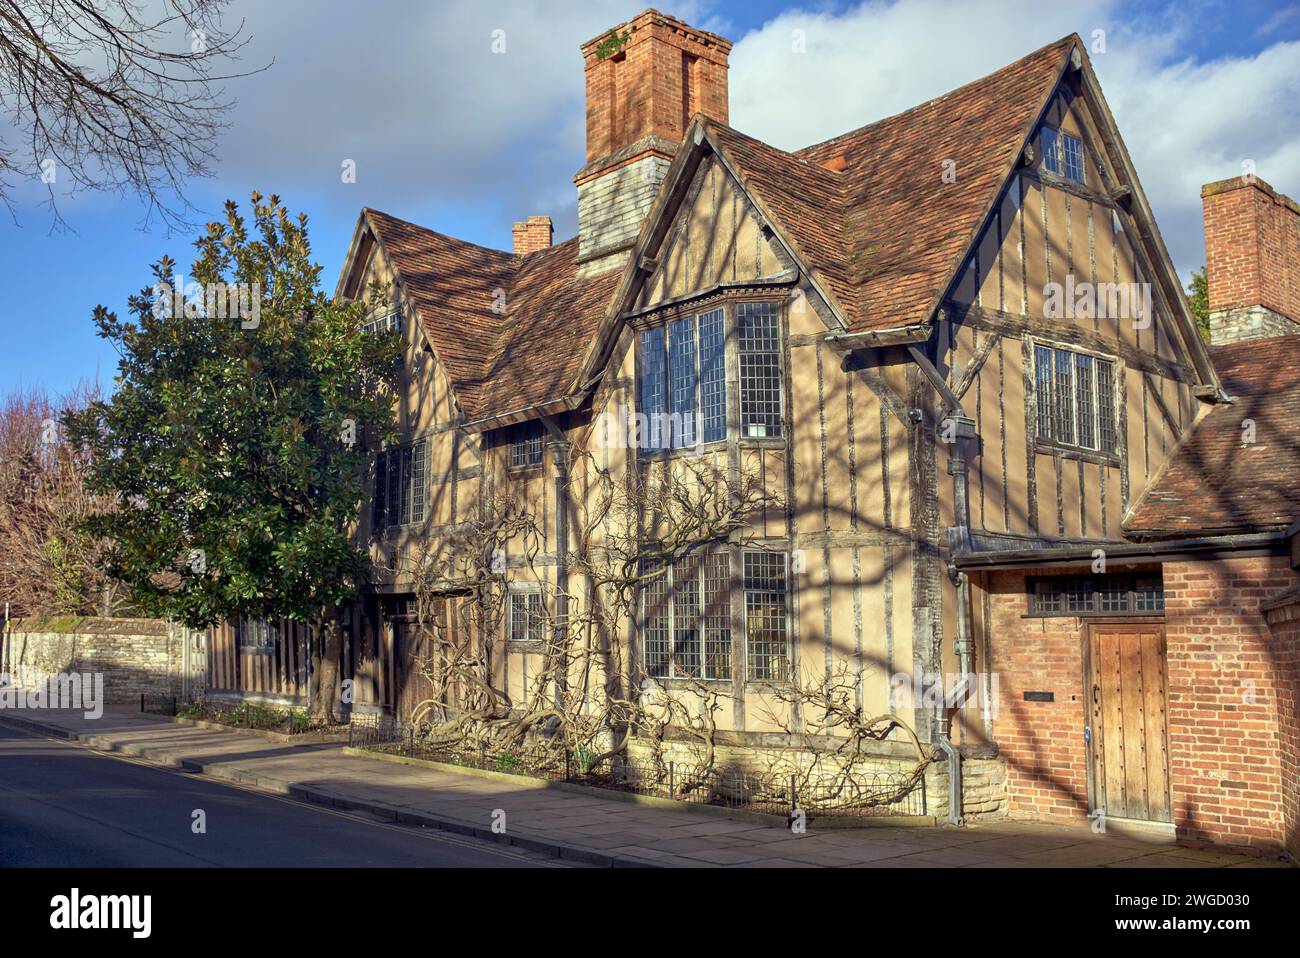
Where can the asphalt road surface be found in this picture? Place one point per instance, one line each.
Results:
(65, 806)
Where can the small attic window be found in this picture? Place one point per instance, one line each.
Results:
(386, 319)
(1062, 154)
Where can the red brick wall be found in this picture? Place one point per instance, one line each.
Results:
(666, 72)
(1252, 246)
(1225, 689)
(1232, 686)
(1041, 742)
(1284, 623)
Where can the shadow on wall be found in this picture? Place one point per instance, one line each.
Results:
(136, 657)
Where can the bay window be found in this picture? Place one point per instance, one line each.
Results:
(682, 392)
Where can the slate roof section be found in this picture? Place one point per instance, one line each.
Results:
(1216, 483)
(497, 361)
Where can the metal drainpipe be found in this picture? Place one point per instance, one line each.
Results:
(964, 429)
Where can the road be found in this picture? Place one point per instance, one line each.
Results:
(63, 805)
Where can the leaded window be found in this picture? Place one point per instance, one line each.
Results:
(256, 635)
(1051, 155)
(1108, 594)
(685, 617)
(1072, 158)
(1063, 154)
(765, 616)
(525, 616)
(384, 320)
(653, 389)
(682, 391)
(1075, 399)
(684, 382)
(760, 369)
(400, 491)
(526, 445)
(713, 381)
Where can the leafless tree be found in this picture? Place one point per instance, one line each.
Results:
(584, 703)
(48, 564)
(114, 95)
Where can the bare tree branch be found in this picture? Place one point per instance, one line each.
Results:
(105, 96)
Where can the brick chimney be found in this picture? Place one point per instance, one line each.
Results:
(645, 80)
(1252, 260)
(533, 234)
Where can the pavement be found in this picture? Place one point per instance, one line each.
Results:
(539, 819)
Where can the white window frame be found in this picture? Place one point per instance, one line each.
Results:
(383, 320)
(527, 593)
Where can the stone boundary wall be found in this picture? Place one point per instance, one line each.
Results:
(135, 656)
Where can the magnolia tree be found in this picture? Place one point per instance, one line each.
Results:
(235, 438)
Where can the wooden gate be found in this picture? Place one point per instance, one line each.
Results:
(1128, 719)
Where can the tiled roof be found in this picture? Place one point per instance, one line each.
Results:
(882, 238)
(904, 227)
(528, 349)
(1215, 481)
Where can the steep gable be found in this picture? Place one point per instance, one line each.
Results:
(907, 230)
(716, 239)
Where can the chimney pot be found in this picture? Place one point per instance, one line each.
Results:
(533, 234)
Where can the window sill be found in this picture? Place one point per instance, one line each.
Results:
(768, 685)
(526, 645)
(684, 681)
(1049, 448)
(680, 452)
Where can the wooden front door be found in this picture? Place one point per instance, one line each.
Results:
(1128, 719)
(413, 656)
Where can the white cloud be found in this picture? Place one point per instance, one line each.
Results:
(437, 122)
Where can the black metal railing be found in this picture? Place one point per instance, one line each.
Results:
(861, 793)
(161, 704)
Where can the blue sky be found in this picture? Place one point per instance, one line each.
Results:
(448, 134)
